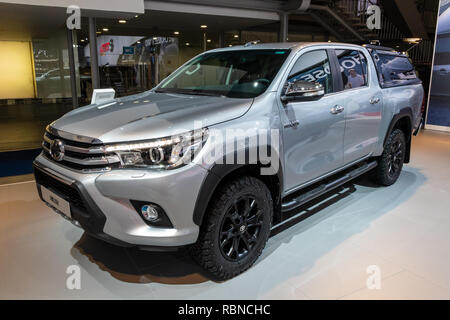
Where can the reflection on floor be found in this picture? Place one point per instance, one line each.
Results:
(17, 179)
(22, 125)
(403, 230)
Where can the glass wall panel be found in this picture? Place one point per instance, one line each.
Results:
(51, 63)
(130, 64)
(35, 87)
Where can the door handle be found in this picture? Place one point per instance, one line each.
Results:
(374, 100)
(337, 109)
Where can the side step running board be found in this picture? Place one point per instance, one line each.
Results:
(327, 186)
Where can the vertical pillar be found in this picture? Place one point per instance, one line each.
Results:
(72, 71)
(62, 82)
(284, 21)
(93, 49)
(204, 41)
(221, 39)
(156, 69)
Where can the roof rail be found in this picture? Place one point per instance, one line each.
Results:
(251, 43)
(374, 47)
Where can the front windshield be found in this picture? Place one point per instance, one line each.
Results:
(234, 74)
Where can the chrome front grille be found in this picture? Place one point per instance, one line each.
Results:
(80, 156)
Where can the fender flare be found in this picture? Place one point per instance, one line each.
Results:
(216, 174)
(404, 113)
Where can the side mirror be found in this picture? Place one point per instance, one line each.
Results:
(300, 90)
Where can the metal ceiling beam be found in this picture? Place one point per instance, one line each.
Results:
(199, 8)
(267, 5)
(339, 19)
(326, 26)
(264, 5)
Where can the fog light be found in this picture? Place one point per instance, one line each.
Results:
(149, 212)
(152, 214)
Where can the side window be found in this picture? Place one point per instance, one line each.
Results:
(313, 66)
(396, 68)
(353, 68)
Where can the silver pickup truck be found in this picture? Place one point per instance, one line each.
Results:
(229, 146)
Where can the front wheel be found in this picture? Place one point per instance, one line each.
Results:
(391, 161)
(236, 228)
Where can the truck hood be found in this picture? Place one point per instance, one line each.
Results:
(150, 115)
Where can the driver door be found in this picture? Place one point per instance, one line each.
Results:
(313, 133)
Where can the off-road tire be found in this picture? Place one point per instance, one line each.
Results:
(390, 163)
(209, 252)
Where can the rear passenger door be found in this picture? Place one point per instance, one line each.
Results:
(363, 103)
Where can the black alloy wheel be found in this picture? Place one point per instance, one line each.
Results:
(395, 158)
(390, 163)
(240, 228)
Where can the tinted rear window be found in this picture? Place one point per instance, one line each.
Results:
(395, 70)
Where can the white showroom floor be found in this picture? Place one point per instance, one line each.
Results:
(403, 231)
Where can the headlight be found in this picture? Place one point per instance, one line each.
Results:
(164, 153)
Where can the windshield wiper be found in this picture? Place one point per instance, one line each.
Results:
(204, 93)
(197, 92)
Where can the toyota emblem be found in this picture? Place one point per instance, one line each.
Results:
(57, 150)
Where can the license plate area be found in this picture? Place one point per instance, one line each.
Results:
(55, 201)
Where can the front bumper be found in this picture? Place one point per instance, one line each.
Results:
(100, 202)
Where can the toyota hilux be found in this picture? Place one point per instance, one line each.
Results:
(229, 145)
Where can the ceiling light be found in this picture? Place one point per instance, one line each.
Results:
(136, 16)
(122, 21)
(176, 32)
(82, 40)
(203, 26)
(412, 40)
(230, 45)
(105, 29)
(138, 41)
(209, 40)
(236, 36)
(155, 38)
(98, 32)
(188, 44)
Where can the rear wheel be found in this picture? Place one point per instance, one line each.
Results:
(391, 161)
(236, 228)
